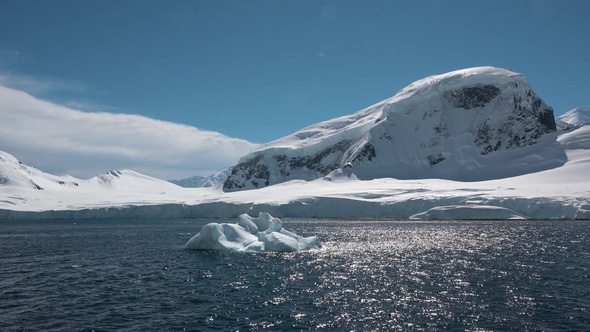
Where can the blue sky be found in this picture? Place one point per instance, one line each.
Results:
(260, 70)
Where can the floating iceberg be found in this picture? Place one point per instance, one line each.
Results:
(264, 233)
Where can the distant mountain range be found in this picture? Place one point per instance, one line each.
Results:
(475, 143)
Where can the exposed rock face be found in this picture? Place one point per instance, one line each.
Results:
(254, 170)
(472, 97)
(457, 125)
(529, 120)
(320, 163)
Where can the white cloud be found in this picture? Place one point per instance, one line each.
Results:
(62, 140)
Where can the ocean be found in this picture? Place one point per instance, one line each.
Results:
(370, 275)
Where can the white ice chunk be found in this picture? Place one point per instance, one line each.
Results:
(264, 233)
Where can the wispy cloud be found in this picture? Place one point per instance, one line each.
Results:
(59, 139)
(36, 85)
(88, 106)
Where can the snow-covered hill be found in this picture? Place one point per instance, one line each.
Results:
(214, 180)
(472, 124)
(17, 174)
(14, 173)
(577, 139)
(573, 119)
(24, 187)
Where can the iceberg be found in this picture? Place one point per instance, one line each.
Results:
(264, 233)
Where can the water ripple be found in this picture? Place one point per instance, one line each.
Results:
(369, 275)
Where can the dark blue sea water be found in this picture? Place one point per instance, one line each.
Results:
(134, 275)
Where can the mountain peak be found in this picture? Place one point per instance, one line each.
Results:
(16, 173)
(213, 180)
(462, 77)
(470, 124)
(575, 118)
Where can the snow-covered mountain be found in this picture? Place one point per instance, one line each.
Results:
(214, 180)
(25, 185)
(18, 174)
(573, 119)
(472, 124)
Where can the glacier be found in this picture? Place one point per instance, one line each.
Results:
(264, 233)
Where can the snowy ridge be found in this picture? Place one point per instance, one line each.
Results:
(23, 187)
(472, 124)
(16, 173)
(573, 119)
(214, 180)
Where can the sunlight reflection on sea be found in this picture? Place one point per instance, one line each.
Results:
(369, 275)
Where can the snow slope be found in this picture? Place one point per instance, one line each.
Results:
(23, 187)
(558, 193)
(572, 119)
(469, 125)
(214, 180)
(17, 174)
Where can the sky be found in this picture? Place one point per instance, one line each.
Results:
(180, 88)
